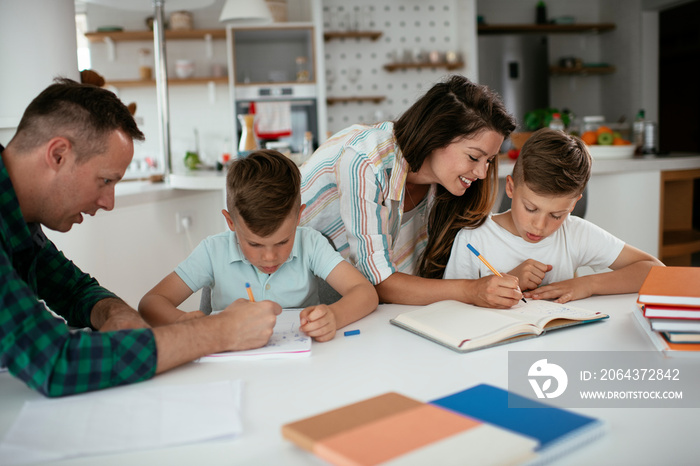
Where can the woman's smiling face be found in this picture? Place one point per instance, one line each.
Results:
(463, 161)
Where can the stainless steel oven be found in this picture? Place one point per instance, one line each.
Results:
(303, 105)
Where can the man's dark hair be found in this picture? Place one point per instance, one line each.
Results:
(82, 113)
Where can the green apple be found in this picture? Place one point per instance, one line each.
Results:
(192, 160)
(605, 139)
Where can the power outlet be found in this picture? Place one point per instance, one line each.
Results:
(182, 220)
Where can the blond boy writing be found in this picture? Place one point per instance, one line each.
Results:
(537, 240)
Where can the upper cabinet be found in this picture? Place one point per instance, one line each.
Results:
(275, 54)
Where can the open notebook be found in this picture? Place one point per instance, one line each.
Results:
(464, 327)
(287, 341)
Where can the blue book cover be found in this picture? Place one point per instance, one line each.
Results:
(557, 430)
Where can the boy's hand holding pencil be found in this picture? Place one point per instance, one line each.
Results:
(500, 283)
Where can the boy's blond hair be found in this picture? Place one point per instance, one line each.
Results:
(263, 189)
(552, 162)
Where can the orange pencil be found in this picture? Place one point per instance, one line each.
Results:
(250, 293)
(486, 263)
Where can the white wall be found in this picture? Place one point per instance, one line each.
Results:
(133, 247)
(37, 43)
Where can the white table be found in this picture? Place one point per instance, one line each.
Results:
(386, 358)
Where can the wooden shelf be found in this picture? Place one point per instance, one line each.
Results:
(171, 82)
(146, 34)
(680, 243)
(596, 28)
(371, 98)
(391, 67)
(581, 71)
(373, 35)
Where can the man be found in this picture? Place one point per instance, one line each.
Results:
(73, 144)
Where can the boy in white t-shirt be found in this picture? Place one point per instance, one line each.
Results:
(266, 249)
(537, 240)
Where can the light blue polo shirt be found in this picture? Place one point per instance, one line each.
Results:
(219, 263)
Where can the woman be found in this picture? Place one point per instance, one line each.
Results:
(391, 197)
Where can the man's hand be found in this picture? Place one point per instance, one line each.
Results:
(247, 325)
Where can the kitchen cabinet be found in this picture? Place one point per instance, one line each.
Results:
(679, 238)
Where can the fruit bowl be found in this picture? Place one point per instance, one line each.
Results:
(611, 152)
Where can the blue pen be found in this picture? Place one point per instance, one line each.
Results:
(486, 263)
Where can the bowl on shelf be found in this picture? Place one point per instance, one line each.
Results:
(611, 152)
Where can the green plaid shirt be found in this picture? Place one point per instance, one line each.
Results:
(39, 348)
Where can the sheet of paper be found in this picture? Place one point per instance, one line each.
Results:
(287, 341)
(121, 419)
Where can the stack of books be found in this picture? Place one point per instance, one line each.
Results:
(668, 309)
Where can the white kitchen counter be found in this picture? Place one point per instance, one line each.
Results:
(138, 192)
(673, 161)
(129, 193)
(623, 194)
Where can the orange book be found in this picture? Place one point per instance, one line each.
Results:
(392, 427)
(672, 286)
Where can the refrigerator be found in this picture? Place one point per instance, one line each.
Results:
(516, 66)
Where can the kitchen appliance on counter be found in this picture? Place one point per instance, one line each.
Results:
(302, 102)
(265, 67)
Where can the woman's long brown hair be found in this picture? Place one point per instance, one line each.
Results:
(452, 110)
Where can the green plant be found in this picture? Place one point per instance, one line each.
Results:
(540, 118)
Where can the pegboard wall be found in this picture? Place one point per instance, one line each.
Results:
(411, 29)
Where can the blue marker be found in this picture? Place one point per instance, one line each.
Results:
(351, 332)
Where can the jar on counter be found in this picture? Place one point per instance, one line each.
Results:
(592, 123)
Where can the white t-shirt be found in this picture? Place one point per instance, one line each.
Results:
(576, 243)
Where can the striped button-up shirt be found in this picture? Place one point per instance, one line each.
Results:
(39, 348)
(353, 188)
